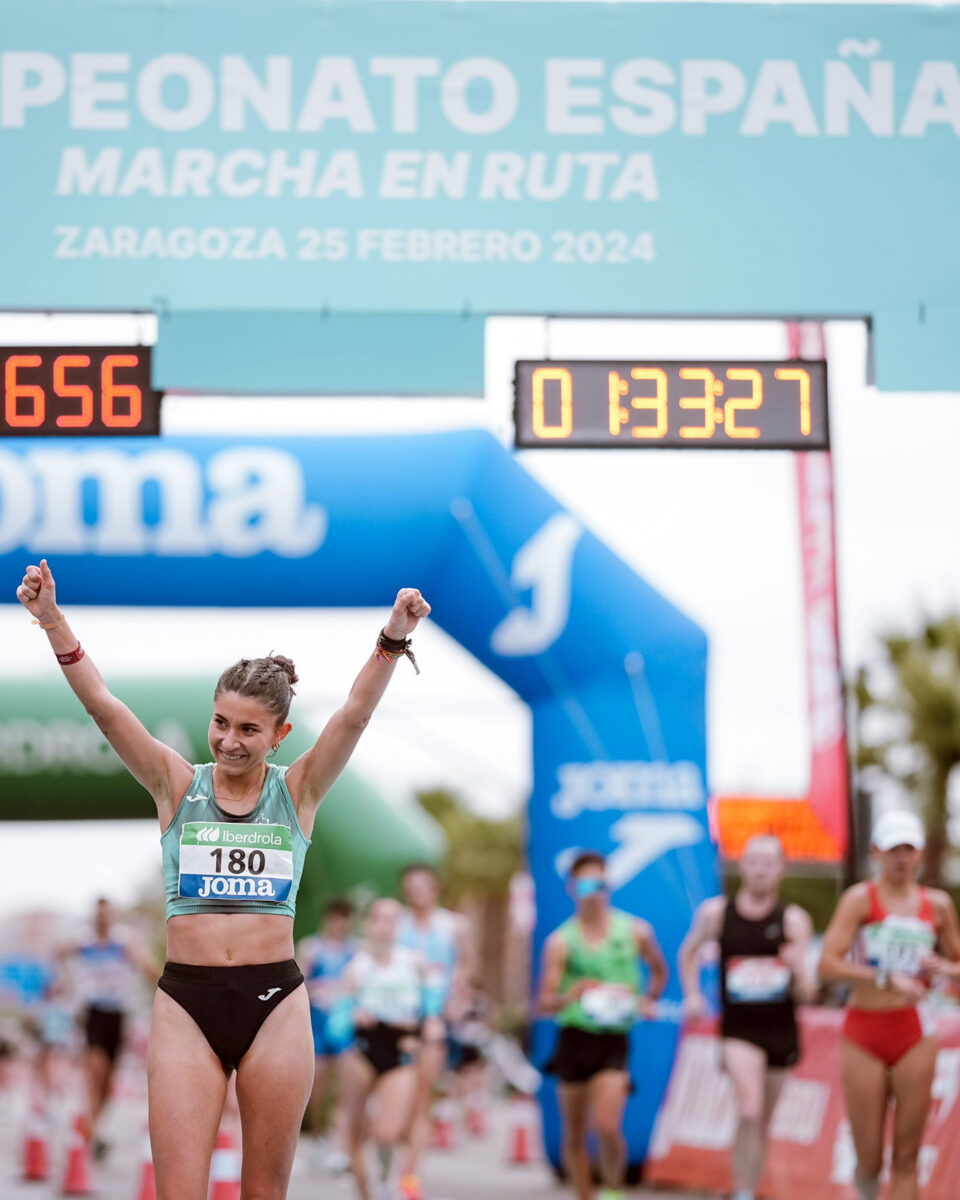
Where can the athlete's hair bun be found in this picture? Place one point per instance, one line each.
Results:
(284, 664)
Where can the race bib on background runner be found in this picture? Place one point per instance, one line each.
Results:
(898, 944)
(609, 1007)
(762, 980)
(227, 861)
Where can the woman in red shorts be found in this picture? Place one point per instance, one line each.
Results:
(890, 927)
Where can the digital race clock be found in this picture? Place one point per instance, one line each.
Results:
(692, 405)
(57, 391)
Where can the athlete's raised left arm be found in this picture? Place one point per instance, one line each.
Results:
(798, 930)
(649, 952)
(312, 775)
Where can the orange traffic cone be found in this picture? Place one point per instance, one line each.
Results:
(225, 1169)
(148, 1180)
(520, 1148)
(36, 1149)
(476, 1121)
(76, 1177)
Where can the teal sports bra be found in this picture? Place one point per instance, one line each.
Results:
(216, 862)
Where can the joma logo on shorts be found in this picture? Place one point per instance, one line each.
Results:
(241, 501)
(220, 886)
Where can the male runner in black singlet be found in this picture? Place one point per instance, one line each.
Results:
(763, 972)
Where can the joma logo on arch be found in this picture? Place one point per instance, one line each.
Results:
(242, 501)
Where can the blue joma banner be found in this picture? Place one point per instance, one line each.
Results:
(441, 157)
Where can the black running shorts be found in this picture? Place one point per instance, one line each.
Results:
(579, 1054)
(103, 1030)
(230, 1003)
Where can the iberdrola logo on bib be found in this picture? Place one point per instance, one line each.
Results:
(210, 834)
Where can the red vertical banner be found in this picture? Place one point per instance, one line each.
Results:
(828, 795)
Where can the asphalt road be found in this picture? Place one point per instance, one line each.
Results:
(475, 1169)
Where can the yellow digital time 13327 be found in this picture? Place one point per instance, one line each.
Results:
(677, 405)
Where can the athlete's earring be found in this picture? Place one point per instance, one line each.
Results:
(274, 749)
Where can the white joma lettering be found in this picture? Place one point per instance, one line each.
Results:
(242, 501)
(219, 887)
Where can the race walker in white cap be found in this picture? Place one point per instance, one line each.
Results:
(881, 943)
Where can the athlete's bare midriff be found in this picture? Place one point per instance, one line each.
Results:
(874, 999)
(229, 939)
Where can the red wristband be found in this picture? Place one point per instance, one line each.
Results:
(66, 660)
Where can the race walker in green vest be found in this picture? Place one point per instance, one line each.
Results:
(235, 832)
(592, 982)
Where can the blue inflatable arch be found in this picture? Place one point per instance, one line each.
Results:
(613, 673)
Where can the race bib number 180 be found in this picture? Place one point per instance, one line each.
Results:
(220, 861)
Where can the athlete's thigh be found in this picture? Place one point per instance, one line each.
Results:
(607, 1094)
(356, 1079)
(574, 1108)
(911, 1081)
(776, 1078)
(865, 1089)
(98, 1066)
(273, 1086)
(187, 1087)
(396, 1094)
(746, 1064)
(431, 1059)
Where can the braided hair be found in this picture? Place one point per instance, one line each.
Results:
(269, 680)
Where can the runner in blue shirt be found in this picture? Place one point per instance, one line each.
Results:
(105, 967)
(323, 959)
(443, 941)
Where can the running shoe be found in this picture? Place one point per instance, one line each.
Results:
(410, 1187)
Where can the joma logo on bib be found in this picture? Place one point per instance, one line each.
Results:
(220, 887)
(241, 501)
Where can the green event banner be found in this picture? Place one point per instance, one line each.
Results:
(55, 764)
(437, 157)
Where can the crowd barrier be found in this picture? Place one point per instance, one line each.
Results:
(811, 1151)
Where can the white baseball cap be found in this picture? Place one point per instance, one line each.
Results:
(898, 828)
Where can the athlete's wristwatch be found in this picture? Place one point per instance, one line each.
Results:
(882, 978)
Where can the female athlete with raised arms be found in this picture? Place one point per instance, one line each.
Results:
(890, 926)
(235, 832)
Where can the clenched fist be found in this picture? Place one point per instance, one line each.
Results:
(38, 593)
(408, 611)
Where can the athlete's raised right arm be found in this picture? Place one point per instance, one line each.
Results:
(707, 921)
(163, 772)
